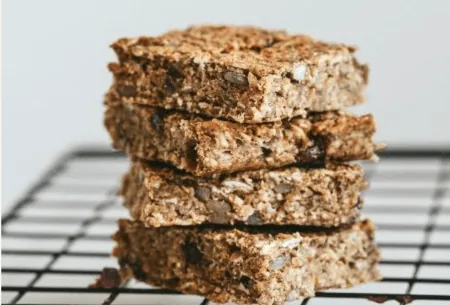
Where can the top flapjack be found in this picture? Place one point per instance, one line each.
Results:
(243, 74)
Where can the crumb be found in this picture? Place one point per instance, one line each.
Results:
(109, 278)
(382, 299)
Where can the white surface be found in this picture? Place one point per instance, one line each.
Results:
(55, 298)
(55, 56)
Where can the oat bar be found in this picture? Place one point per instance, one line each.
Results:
(247, 265)
(205, 146)
(243, 74)
(158, 195)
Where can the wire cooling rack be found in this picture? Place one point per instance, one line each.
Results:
(56, 239)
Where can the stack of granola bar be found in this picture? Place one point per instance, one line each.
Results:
(242, 186)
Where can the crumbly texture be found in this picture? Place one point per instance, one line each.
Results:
(243, 74)
(205, 146)
(248, 265)
(161, 196)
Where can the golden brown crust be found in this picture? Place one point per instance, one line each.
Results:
(161, 196)
(247, 267)
(243, 74)
(205, 146)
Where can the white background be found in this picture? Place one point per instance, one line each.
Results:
(55, 54)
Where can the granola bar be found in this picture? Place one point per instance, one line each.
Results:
(205, 146)
(158, 195)
(247, 265)
(243, 74)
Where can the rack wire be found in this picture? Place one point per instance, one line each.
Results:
(56, 239)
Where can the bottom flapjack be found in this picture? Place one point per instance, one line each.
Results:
(264, 265)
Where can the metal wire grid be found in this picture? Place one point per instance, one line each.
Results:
(57, 238)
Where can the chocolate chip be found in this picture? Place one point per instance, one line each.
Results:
(314, 155)
(169, 85)
(283, 188)
(236, 78)
(173, 282)
(139, 274)
(246, 281)
(174, 72)
(192, 254)
(123, 262)
(234, 248)
(254, 219)
(203, 193)
(172, 79)
(266, 151)
(127, 90)
(191, 152)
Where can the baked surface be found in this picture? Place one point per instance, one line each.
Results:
(248, 265)
(205, 146)
(158, 195)
(243, 74)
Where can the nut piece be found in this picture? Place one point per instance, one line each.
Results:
(219, 211)
(254, 219)
(127, 90)
(236, 78)
(237, 185)
(299, 71)
(203, 193)
(283, 188)
(278, 262)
